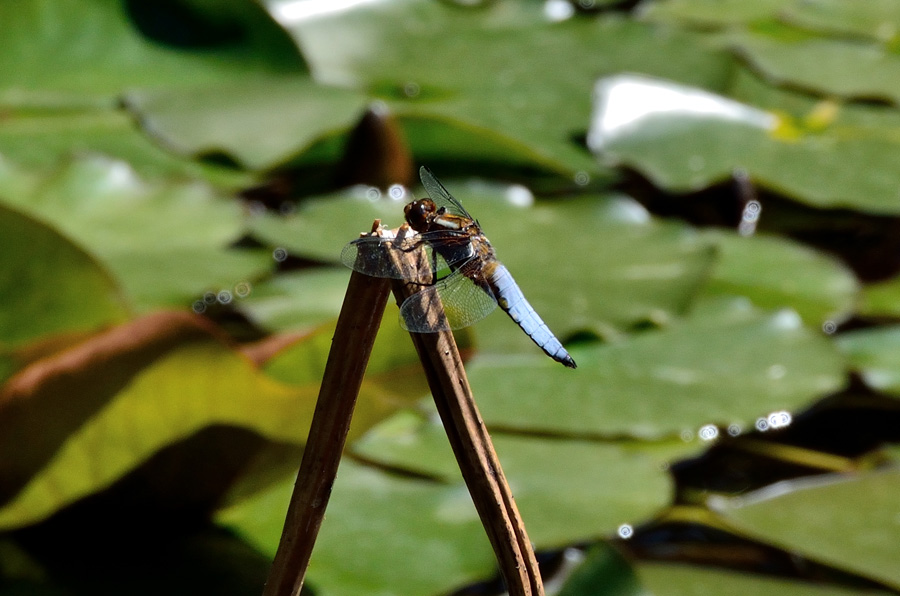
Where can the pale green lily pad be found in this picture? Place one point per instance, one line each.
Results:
(567, 490)
(50, 285)
(875, 354)
(666, 579)
(383, 534)
(40, 67)
(848, 522)
(778, 273)
(726, 367)
(596, 263)
(166, 244)
(690, 148)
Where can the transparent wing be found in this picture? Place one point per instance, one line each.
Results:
(464, 302)
(440, 195)
(372, 254)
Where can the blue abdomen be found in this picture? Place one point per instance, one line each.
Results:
(512, 300)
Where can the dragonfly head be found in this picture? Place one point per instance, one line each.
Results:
(419, 214)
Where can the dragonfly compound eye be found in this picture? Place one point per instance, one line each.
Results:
(419, 214)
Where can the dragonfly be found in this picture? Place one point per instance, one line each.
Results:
(466, 276)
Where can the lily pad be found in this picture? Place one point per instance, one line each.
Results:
(50, 285)
(778, 273)
(663, 579)
(862, 512)
(572, 490)
(876, 19)
(166, 244)
(46, 138)
(40, 68)
(845, 68)
(558, 483)
(297, 300)
(874, 353)
(688, 148)
(726, 367)
(259, 123)
(602, 572)
(881, 299)
(712, 13)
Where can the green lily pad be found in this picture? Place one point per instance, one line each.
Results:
(881, 299)
(448, 42)
(712, 13)
(50, 285)
(46, 138)
(377, 524)
(723, 368)
(874, 354)
(876, 19)
(602, 572)
(820, 288)
(849, 69)
(664, 579)
(567, 490)
(683, 147)
(166, 244)
(297, 300)
(559, 483)
(259, 123)
(860, 535)
(40, 67)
